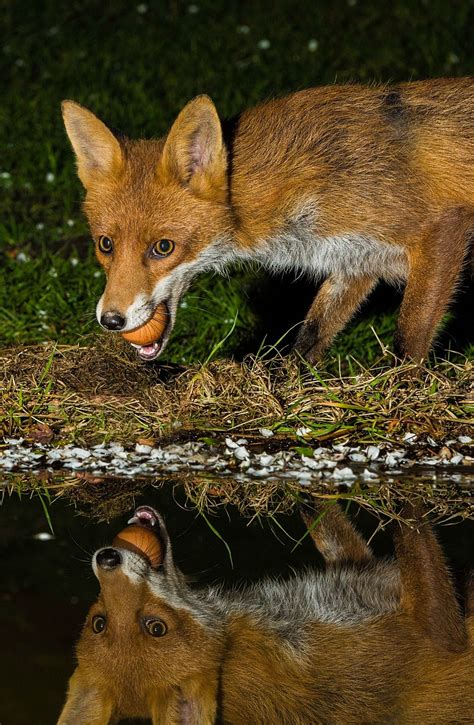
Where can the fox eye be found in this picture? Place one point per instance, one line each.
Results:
(98, 623)
(155, 627)
(162, 248)
(105, 244)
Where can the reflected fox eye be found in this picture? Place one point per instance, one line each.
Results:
(98, 623)
(105, 244)
(155, 627)
(162, 248)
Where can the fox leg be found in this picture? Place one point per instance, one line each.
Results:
(86, 703)
(333, 534)
(428, 595)
(435, 266)
(336, 302)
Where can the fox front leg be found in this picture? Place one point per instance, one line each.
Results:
(337, 301)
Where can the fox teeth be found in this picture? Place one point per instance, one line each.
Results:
(144, 516)
(141, 520)
(155, 351)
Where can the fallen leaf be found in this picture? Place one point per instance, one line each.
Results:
(146, 442)
(41, 433)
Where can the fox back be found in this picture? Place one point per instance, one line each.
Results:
(361, 641)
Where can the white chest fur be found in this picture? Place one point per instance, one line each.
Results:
(349, 255)
(299, 248)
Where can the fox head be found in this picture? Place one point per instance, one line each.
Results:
(150, 647)
(157, 210)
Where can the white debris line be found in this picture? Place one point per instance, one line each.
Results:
(339, 463)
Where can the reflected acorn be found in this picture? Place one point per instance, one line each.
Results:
(141, 540)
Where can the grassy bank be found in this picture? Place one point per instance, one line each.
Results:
(446, 502)
(92, 394)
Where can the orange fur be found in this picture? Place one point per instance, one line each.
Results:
(352, 183)
(414, 663)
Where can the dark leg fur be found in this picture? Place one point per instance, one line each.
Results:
(427, 591)
(435, 267)
(336, 302)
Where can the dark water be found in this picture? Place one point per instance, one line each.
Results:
(48, 585)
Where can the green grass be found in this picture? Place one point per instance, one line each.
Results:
(136, 70)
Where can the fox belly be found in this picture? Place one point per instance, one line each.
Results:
(347, 255)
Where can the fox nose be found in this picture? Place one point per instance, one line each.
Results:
(112, 320)
(108, 558)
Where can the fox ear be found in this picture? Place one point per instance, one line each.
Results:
(98, 152)
(194, 153)
(84, 704)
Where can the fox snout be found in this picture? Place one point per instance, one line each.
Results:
(119, 314)
(115, 562)
(143, 323)
(136, 549)
(112, 320)
(108, 558)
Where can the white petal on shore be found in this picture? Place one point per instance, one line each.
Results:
(343, 474)
(241, 453)
(372, 452)
(303, 431)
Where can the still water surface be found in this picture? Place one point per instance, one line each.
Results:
(48, 585)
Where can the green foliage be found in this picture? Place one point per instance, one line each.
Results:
(135, 65)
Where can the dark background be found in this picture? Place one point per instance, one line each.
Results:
(136, 64)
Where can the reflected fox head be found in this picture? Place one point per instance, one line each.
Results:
(147, 648)
(157, 210)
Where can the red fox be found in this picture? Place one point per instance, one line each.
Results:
(363, 641)
(350, 183)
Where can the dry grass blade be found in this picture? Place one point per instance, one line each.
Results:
(91, 394)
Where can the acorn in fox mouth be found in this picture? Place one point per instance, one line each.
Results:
(141, 535)
(147, 338)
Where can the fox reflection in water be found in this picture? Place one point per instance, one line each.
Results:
(362, 641)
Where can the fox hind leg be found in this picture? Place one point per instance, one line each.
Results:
(435, 267)
(334, 536)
